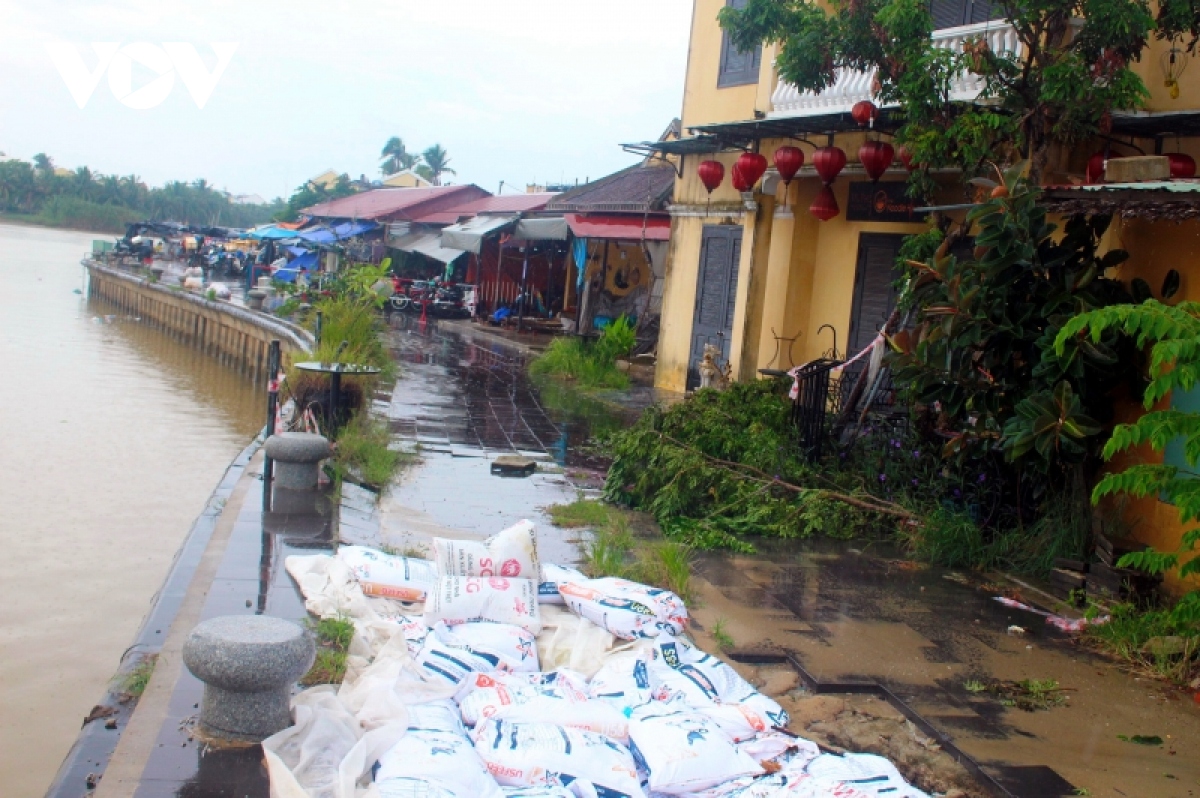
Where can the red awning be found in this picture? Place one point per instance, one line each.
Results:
(600, 225)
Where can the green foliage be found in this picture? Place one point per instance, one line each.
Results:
(592, 365)
(1059, 88)
(606, 552)
(139, 678)
(356, 322)
(363, 452)
(981, 350)
(311, 194)
(1173, 334)
(721, 635)
(1132, 632)
(333, 646)
(90, 200)
(579, 513)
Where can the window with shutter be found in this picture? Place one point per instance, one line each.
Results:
(738, 68)
(952, 13)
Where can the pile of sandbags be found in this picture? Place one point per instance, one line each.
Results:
(490, 689)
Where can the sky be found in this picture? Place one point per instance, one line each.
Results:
(520, 91)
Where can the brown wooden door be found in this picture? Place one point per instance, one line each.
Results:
(716, 294)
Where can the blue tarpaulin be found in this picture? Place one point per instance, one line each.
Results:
(271, 232)
(338, 232)
(288, 273)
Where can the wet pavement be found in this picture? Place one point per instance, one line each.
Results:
(853, 617)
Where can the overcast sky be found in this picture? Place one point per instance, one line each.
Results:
(515, 90)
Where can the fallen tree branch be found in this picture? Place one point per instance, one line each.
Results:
(869, 504)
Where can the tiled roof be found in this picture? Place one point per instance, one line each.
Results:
(504, 203)
(633, 190)
(386, 202)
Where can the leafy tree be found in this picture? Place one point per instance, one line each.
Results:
(981, 350)
(43, 163)
(436, 163)
(1071, 71)
(396, 158)
(311, 194)
(1174, 336)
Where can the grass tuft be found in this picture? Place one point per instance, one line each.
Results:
(363, 453)
(721, 636)
(137, 680)
(580, 513)
(607, 552)
(334, 636)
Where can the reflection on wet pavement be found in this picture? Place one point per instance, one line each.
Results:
(923, 632)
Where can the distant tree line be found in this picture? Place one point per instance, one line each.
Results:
(87, 199)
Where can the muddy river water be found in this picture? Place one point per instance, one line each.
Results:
(113, 437)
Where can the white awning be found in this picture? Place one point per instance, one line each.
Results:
(548, 229)
(427, 243)
(469, 235)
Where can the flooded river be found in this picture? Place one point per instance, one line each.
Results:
(114, 435)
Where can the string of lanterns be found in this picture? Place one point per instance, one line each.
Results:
(876, 157)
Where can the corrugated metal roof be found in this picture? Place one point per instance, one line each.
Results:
(503, 203)
(385, 201)
(636, 189)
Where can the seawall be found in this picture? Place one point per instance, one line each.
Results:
(236, 335)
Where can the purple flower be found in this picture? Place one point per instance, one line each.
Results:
(983, 478)
(916, 453)
(883, 477)
(896, 444)
(916, 482)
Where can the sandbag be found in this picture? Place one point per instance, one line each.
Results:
(511, 554)
(623, 681)
(552, 576)
(437, 716)
(869, 773)
(546, 754)
(387, 575)
(627, 609)
(568, 641)
(450, 654)
(684, 751)
(464, 599)
(559, 697)
(439, 759)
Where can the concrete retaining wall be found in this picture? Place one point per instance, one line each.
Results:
(235, 335)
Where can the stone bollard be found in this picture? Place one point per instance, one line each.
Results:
(248, 664)
(297, 456)
(255, 298)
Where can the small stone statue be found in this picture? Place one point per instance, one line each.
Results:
(712, 374)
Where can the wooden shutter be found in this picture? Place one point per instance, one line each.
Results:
(874, 293)
(737, 68)
(952, 13)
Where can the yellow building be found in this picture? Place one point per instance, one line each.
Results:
(759, 276)
(406, 179)
(326, 180)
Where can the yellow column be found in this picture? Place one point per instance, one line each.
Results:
(775, 292)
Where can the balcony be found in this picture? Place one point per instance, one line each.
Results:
(852, 86)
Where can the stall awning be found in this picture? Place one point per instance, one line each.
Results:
(551, 229)
(469, 235)
(288, 273)
(610, 226)
(338, 232)
(271, 232)
(427, 243)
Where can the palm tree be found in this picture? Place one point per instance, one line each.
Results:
(437, 163)
(43, 163)
(396, 158)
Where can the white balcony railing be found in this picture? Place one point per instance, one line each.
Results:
(852, 85)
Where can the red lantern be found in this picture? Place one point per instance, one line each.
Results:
(711, 174)
(824, 205)
(752, 166)
(864, 113)
(739, 180)
(829, 162)
(876, 157)
(1182, 164)
(1096, 166)
(905, 157)
(788, 161)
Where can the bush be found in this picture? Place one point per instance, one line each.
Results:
(363, 452)
(588, 364)
(63, 211)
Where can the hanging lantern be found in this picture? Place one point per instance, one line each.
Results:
(788, 161)
(876, 157)
(752, 166)
(824, 205)
(829, 162)
(864, 113)
(905, 157)
(739, 179)
(711, 174)
(1182, 164)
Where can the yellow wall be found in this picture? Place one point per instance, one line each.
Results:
(1151, 72)
(703, 102)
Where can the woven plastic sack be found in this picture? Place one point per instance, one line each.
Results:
(511, 553)
(627, 609)
(439, 760)
(546, 754)
(553, 576)
(465, 599)
(869, 773)
(685, 751)
(389, 576)
(568, 641)
(450, 654)
(559, 697)
(623, 681)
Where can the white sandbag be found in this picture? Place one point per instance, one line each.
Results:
(437, 716)
(704, 681)
(552, 576)
(464, 599)
(545, 754)
(537, 792)
(869, 773)
(444, 760)
(623, 681)
(511, 553)
(785, 750)
(559, 697)
(387, 575)
(685, 751)
(450, 654)
(627, 609)
(568, 641)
